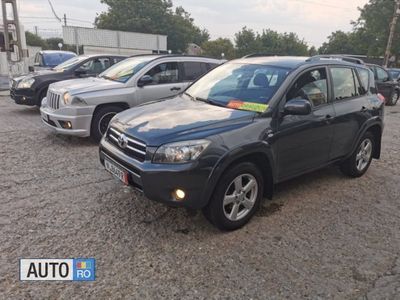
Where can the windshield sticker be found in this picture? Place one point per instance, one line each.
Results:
(256, 107)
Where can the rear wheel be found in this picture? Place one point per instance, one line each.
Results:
(358, 163)
(101, 119)
(394, 98)
(237, 197)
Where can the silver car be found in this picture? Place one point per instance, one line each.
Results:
(84, 107)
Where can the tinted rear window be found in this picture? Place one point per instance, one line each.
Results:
(193, 70)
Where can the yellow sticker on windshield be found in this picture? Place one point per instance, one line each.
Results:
(250, 106)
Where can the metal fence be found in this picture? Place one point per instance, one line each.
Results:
(113, 39)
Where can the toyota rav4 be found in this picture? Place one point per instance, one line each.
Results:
(223, 144)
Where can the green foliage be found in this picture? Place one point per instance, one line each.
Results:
(217, 47)
(370, 33)
(269, 42)
(34, 40)
(153, 16)
(47, 44)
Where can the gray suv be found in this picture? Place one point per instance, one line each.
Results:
(84, 107)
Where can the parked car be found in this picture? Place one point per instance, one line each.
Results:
(388, 86)
(48, 59)
(85, 107)
(395, 73)
(32, 88)
(242, 128)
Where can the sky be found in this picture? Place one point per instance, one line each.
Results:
(312, 20)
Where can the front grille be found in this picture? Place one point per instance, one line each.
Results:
(135, 148)
(53, 100)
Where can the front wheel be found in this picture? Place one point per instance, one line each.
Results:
(237, 197)
(100, 121)
(358, 163)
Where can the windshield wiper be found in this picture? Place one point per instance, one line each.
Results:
(210, 101)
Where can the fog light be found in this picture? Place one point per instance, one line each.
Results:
(179, 194)
(66, 124)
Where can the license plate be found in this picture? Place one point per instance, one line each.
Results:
(116, 171)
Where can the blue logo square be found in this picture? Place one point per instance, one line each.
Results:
(84, 269)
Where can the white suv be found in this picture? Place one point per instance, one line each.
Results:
(84, 107)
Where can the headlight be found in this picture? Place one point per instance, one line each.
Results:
(72, 100)
(26, 83)
(180, 152)
(67, 98)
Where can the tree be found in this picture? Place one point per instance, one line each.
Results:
(247, 42)
(152, 16)
(370, 32)
(34, 40)
(269, 42)
(218, 46)
(339, 42)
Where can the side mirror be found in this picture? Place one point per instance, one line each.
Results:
(145, 80)
(80, 72)
(297, 107)
(31, 69)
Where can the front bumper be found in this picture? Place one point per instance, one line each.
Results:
(158, 181)
(23, 96)
(80, 119)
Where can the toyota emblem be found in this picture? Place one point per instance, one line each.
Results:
(123, 141)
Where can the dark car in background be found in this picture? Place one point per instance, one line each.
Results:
(49, 59)
(395, 73)
(249, 124)
(32, 88)
(387, 85)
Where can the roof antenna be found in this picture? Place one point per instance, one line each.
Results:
(54, 12)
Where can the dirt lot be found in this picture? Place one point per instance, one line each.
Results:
(323, 236)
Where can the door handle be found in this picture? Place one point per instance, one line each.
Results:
(364, 109)
(328, 118)
(175, 88)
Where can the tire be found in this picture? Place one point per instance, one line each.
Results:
(358, 163)
(225, 201)
(101, 119)
(41, 96)
(394, 97)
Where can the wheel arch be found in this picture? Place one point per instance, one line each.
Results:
(122, 105)
(262, 160)
(376, 130)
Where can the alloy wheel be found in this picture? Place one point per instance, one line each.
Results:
(240, 197)
(364, 155)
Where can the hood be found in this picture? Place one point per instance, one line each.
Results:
(179, 119)
(35, 74)
(84, 85)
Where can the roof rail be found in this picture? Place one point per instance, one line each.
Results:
(258, 55)
(338, 57)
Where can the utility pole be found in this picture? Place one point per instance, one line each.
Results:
(392, 31)
(65, 19)
(36, 30)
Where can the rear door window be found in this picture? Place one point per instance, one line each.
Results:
(193, 70)
(344, 83)
(364, 77)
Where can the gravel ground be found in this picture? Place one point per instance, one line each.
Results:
(323, 237)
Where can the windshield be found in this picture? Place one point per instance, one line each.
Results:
(125, 69)
(54, 59)
(70, 63)
(239, 86)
